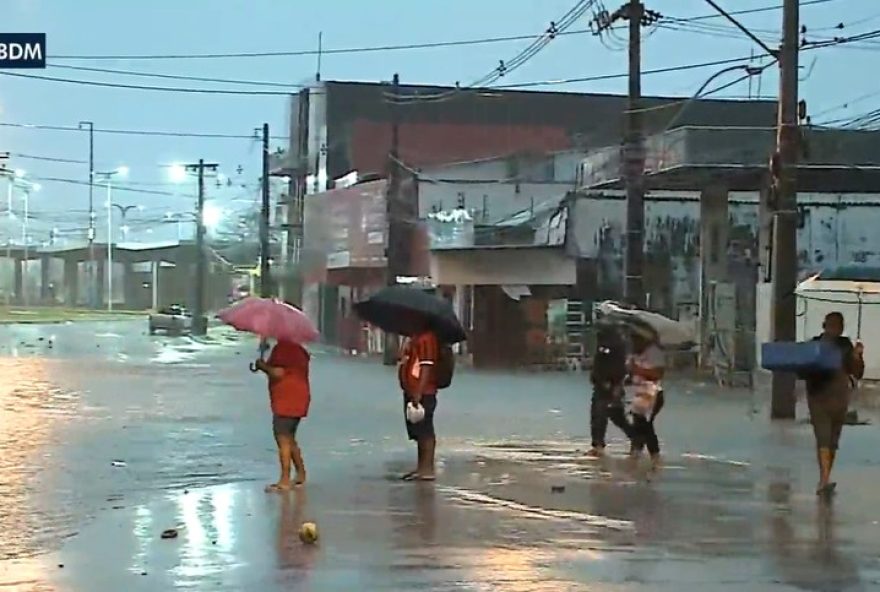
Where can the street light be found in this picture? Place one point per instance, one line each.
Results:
(212, 215)
(19, 180)
(123, 210)
(177, 173)
(121, 171)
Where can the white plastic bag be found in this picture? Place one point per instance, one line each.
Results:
(644, 397)
(414, 412)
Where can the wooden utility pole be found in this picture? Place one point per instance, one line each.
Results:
(91, 276)
(200, 322)
(633, 169)
(634, 155)
(784, 207)
(395, 250)
(265, 254)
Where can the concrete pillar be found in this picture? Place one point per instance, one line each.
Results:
(45, 265)
(101, 282)
(154, 285)
(714, 239)
(131, 286)
(71, 281)
(18, 282)
(765, 232)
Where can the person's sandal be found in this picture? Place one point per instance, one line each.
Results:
(826, 490)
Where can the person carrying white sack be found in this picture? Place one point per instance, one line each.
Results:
(647, 365)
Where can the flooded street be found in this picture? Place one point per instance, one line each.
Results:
(108, 437)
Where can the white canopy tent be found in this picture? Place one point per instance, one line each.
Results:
(853, 292)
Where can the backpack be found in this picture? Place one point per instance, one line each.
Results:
(445, 366)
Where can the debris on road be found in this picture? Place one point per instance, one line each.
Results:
(308, 533)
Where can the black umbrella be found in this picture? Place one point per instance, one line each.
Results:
(394, 309)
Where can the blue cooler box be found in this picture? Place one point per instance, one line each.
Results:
(809, 356)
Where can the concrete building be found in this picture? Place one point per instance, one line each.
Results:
(708, 228)
(338, 127)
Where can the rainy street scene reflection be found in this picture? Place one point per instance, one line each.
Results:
(93, 474)
(496, 296)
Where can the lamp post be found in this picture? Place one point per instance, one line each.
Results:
(123, 210)
(108, 177)
(19, 180)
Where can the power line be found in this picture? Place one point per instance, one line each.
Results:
(178, 77)
(497, 73)
(377, 48)
(174, 89)
(115, 187)
(521, 85)
(48, 158)
(314, 52)
(560, 25)
(136, 132)
(748, 11)
(599, 77)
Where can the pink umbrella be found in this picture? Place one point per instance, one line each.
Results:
(270, 318)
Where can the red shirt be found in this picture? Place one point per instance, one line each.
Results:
(290, 395)
(420, 352)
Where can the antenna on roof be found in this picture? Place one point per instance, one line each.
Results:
(320, 52)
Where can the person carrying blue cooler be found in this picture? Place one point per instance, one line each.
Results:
(828, 397)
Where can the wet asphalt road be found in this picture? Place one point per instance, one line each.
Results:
(108, 437)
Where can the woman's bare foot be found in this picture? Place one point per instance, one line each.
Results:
(595, 452)
(280, 486)
(300, 480)
(426, 477)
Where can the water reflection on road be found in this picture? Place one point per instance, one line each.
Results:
(113, 437)
(31, 409)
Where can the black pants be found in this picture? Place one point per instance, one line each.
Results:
(605, 407)
(644, 434)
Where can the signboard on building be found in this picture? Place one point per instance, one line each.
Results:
(347, 227)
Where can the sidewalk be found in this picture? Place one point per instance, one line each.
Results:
(10, 315)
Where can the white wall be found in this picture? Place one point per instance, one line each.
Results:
(839, 229)
(488, 202)
(488, 190)
(811, 311)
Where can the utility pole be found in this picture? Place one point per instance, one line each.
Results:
(783, 169)
(634, 156)
(265, 279)
(395, 250)
(200, 323)
(91, 292)
(633, 145)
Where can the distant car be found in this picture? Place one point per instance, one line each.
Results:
(173, 320)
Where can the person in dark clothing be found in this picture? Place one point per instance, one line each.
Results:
(607, 376)
(828, 397)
